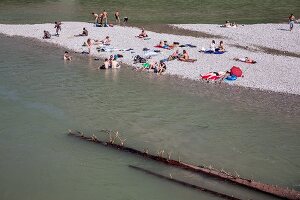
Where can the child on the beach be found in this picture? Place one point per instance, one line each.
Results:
(291, 21)
(57, 27)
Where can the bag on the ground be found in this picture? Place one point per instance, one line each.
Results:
(139, 59)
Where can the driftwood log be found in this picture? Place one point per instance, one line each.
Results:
(277, 191)
(225, 196)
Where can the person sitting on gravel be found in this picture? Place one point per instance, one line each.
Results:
(174, 55)
(185, 57)
(47, 35)
(67, 56)
(246, 60)
(221, 47)
(84, 33)
(143, 34)
(162, 67)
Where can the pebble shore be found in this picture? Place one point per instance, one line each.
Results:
(278, 73)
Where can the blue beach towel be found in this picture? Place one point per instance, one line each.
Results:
(214, 52)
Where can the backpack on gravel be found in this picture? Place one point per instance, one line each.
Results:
(139, 59)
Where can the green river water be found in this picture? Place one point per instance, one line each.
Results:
(150, 11)
(254, 133)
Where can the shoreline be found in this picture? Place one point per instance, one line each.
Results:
(260, 101)
(180, 69)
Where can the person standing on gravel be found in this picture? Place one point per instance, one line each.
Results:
(291, 21)
(105, 16)
(117, 16)
(96, 17)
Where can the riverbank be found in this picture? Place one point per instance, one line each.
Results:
(272, 72)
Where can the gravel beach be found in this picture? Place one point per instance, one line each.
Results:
(276, 73)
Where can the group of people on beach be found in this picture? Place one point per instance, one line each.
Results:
(152, 66)
(102, 18)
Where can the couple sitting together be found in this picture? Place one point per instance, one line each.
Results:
(213, 48)
(181, 57)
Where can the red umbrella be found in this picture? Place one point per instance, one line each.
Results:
(236, 71)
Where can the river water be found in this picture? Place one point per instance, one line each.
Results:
(253, 133)
(150, 11)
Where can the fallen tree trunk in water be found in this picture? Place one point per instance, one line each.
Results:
(225, 196)
(266, 188)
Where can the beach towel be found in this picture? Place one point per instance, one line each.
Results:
(188, 45)
(164, 47)
(106, 49)
(231, 78)
(189, 60)
(214, 52)
(150, 53)
(212, 76)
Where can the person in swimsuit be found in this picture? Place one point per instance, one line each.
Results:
(96, 17)
(174, 55)
(105, 16)
(221, 47)
(90, 43)
(291, 21)
(115, 64)
(105, 64)
(117, 16)
(67, 56)
(143, 34)
(125, 20)
(185, 56)
(100, 19)
(57, 27)
(84, 33)
(106, 41)
(162, 67)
